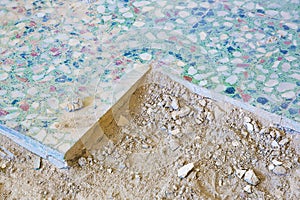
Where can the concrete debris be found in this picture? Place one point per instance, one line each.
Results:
(249, 127)
(202, 102)
(244, 133)
(82, 161)
(247, 119)
(184, 111)
(174, 144)
(37, 163)
(210, 116)
(283, 141)
(109, 170)
(251, 178)
(275, 144)
(279, 170)
(183, 171)
(240, 172)
(276, 162)
(174, 104)
(248, 189)
(3, 166)
(271, 167)
(175, 131)
(263, 131)
(235, 143)
(74, 105)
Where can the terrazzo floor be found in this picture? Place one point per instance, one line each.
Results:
(54, 51)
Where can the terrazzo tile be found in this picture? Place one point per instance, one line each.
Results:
(55, 51)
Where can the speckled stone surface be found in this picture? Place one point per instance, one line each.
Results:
(54, 51)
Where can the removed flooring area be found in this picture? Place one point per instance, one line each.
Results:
(167, 144)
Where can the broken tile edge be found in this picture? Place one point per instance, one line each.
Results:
(281, 121)
(35, 146)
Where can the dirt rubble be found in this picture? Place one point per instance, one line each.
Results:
(170, 144)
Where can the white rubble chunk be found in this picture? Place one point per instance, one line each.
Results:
(247, 119)
(279, 170)
(37, 163)
(276, 162)
(183, 171)
(240, 172)
(174, 104)
(248, 189)
(283, 141)
(251, 178)
(275, 144)
(249, 127)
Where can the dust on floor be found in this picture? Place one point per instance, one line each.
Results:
(172, 144)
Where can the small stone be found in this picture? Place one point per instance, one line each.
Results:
(82, 162)
(74, 105)
(235, 143)
(271, 167)
(276, 162)
(3, 165)
(174, 104)
(175, 131)
(174, 144)
(183, 171)
(240, 172)
(244, 133)
(248, 189)
(184, 111)
(263, 131)
(202, 102)
(249, 127)
(109, 170)
(210, 116)
(37, 163)
(279, 170)
(283, 142)
(229, 170)
(275, 144)
(251, 178)
(247, 119)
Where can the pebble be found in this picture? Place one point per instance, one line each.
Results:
(271, 167)
(283, 141)
(279, 170)
(74, 105)
(240, 172)
(174, 104)
(37, 163)
(235, 143)
(276, 162)
(82, 162)
(184, 111)
(251, 178)
(275, 144)
(183, 171)
(247, 119)
(146, 56)
(248, 189)
(174, 144)
(175, 132)
(249, 127)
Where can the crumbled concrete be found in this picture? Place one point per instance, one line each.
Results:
(183, 171)
(251, 178)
